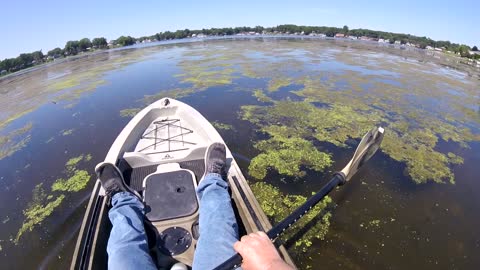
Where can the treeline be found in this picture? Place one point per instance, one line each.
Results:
(75, 47)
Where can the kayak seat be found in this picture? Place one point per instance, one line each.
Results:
(169, 193)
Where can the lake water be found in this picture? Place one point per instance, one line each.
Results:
(390, 216)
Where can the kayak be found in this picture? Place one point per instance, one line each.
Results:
(160, 153)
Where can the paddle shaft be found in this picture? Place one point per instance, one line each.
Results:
(338, 179)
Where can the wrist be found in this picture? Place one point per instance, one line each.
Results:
(278, 264)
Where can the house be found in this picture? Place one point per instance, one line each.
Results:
(429, 48)
(339, 35)
(381, 40)
(397, 42)
(353, 37)
(438, 49)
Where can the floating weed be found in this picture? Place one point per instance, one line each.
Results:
(72, 163)
(43, 205)
(66, 132)
(76, 182)
(260, 95)
(131, 112)
(454, 159)
(222, 126)
(414, 144)
(277, 206)
(374, 223)
(286, 155)
(277, 83)
(173, 93)
(40, 208)
(14, 141)
(14, 117)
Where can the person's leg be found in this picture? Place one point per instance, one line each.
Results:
(218, 226)
(127, 246)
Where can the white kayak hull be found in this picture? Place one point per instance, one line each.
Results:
(167, 138)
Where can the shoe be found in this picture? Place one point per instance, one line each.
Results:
(216, 160)
(112, 180)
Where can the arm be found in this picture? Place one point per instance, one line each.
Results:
(259, 253)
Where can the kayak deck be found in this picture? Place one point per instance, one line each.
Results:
(161, 154)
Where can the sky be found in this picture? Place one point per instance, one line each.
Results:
(27, 26)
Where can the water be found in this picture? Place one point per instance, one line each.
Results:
(427, 226)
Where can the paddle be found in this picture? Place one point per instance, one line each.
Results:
(365, 150)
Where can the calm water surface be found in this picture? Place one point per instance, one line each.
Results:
(425, 226)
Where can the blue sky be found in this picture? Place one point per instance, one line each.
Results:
(27, 26)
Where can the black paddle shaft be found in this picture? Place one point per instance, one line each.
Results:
(338, 179)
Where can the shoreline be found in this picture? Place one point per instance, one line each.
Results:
(391, 48)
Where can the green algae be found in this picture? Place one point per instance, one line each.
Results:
(43, 205)
(203, 76)
(38, 210)
(64, 84)
(73, 162)
(14, 141)
(277, 206)
(454, 159)
(286, 155)
(77, 179)
(276, 83)
(14, 117)
(76, 182)
(261, 96)
(423, 162)
(337, 123)
(176, 93)
(222, 126)
(417, 105)
(66, 132)
(131, 112)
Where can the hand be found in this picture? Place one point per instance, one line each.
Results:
(259, 253)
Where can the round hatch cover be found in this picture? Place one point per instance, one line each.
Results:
(174, 241)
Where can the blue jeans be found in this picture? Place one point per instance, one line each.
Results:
(128, 248)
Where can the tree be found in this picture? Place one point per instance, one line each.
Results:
(345, 29)
(57, 52)
(37, 56)
(84, 44)
(463, 50)
(330, 32)
(125, 40)
(475, 49)
(100, 43)
(71, 48)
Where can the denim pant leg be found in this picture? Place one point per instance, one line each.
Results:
(218, 226)
(127, 246)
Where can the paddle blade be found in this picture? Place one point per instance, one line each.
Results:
(365, 150)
